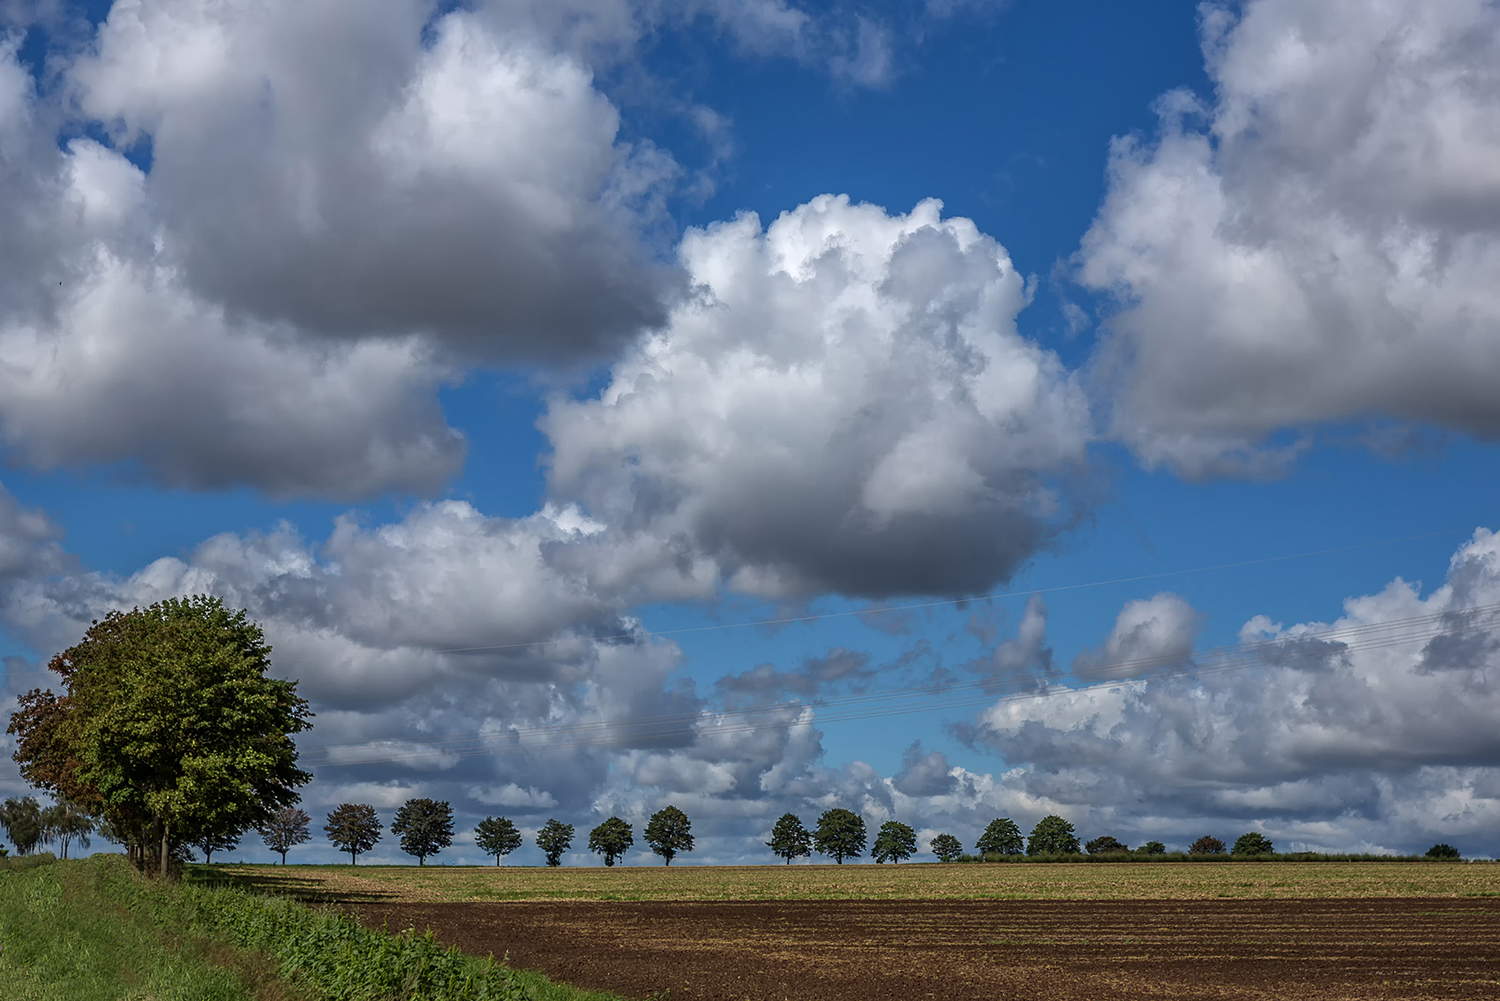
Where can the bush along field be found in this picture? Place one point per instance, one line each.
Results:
(96, 929)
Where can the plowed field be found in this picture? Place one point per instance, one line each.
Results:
(956, 950)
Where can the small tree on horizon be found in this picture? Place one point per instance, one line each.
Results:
(611, 839)
(789, 839)
(1443, 851)
(22, 820)
(286, 829)
(893, 842)
(1105, 845)
(946, 847)
(840, 834)
(210, 843)
(1002, 837)
(353, 828)
(425, 827)
(668, 832)
(1253, 843)
(1152, 848)
(65, 822)
(497, 836)
(1206, 845)
(554, 839)
(1052, 835)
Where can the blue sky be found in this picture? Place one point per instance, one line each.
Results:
(449, 348)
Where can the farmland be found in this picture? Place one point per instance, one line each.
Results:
(1242, 930)
(1120, 881)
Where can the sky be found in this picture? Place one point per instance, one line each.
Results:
(943, 410)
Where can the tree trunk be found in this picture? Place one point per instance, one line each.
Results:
(352, 856)
(166, 831)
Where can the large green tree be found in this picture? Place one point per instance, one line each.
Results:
(353, 828)
(554, 839)
(893, 842)
(668, 832)
(840, 834)
(1052, 835)
(497, 836)
(168, 727)
(611, 839)
(1002, 837)
(789, 839)
(425, 827)
(1253, 843)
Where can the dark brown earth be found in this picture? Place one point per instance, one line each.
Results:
(957, 950)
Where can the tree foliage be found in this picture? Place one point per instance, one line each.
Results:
(1105, 845)
(1436, 851)
(217, 842)
(946, 847)
(1206, 845)
(1002, 837)
(1253, 843)
(22, 820)
(1152, 848)
(840, 834)
(669, 832)
(353, 828)
(497, 836)
(168, 727)
(554, 839)
(1052, 835)
(425, 827)
(286, 829)
(789, 839)
(893, 842)
(611, 839)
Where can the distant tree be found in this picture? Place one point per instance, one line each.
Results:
(840, 834)
(668, 832)
(1436, 851)
(1002, 837)
(1105, 845)
(425, 826)
(946, 847)
(1253, 843)
(789, 839)
(22, 820)
(497, 836)
(554, 839)
(286, 829)
(66, 822)
(1152, 848)
(611, 839)
(219, 842)
(1206, 846)
(1052, 835)
(894, 842)
(353, 828)
(168, 726)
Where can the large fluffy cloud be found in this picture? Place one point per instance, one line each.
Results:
(1324, 248)
(1375, 729)
(843, 404)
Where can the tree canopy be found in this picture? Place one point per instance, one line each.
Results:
(840, 834)
(497, 836)
(789, 839)
(1253, 843)
(286, 829)
(893, 842)
(669, 832)
(22, 820)
(1152, 848)
(168, 727)
(946, 847)
(425, 827)
(1439, 851)
(1052, 835)
(611, 839)
(1206, 845)
(554, 839)
(353, 828)
(1105, 845)
(1002, 837)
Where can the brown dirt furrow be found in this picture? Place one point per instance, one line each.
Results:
(956, 950)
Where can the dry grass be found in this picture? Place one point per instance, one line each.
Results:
(1120, 881)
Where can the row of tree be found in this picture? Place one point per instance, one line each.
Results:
(29, 825)
(1053, 835)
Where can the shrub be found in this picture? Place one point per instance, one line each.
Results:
(1443, 851)
(1253, 843)
(1206, 846)
(946, 847)
(1105, 845)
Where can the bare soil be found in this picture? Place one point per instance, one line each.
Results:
(956, 950)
